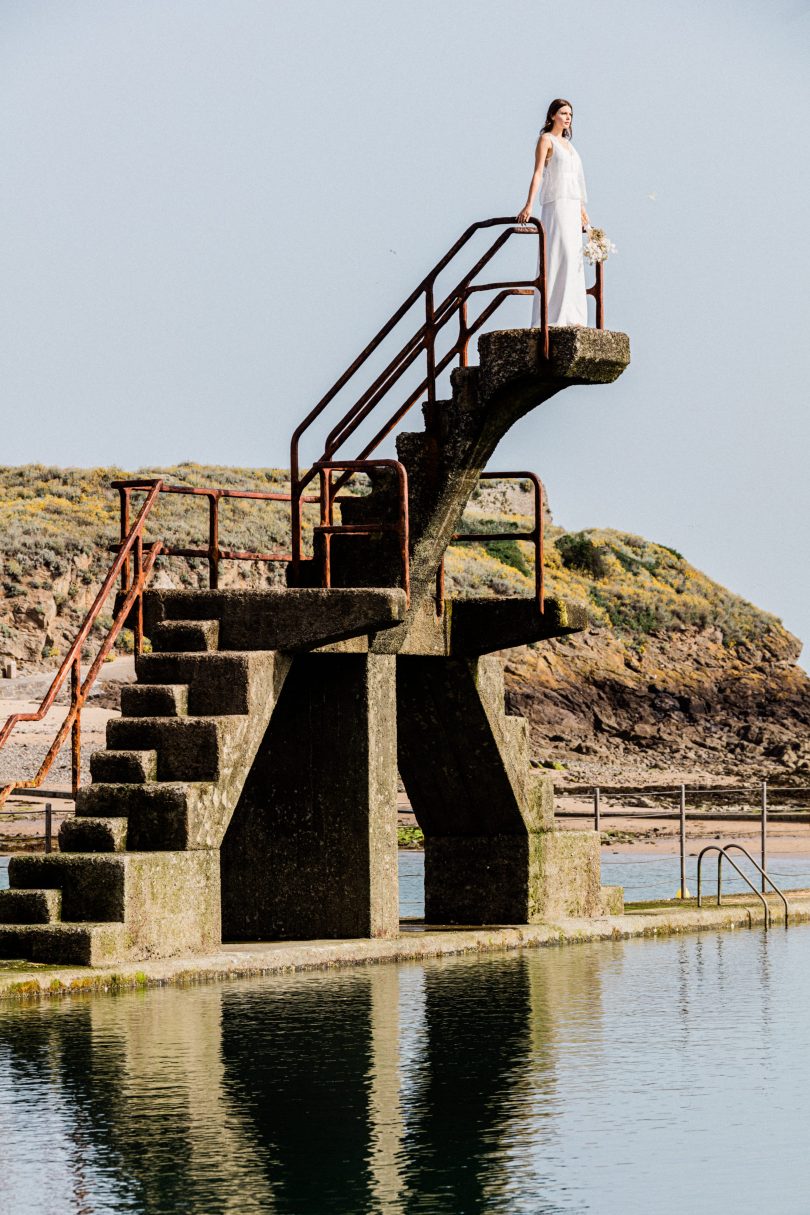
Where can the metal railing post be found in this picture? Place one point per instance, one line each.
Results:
(213, 541)
(597, 819)
(76, 728)
(683, 891)
(764, 832)
(430, 344)
(48, 827)
(124, 498)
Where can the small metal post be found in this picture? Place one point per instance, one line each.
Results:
(597, 821)
(213, 541)
(76, 730)
(48, 826)
(683, 891)
(124, 501)
(430, 345)
(764, 859)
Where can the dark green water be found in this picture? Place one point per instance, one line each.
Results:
(650, 1077)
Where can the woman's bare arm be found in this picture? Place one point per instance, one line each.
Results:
(540, 157)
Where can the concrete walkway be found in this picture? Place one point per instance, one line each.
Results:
(21, 980)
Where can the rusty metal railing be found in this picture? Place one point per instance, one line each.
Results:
(535, 535)
(143, 557)
(328, 528)
(213, 553)
(422, 342)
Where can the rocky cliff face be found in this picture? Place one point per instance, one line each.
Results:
(681, 708)
(677, 679)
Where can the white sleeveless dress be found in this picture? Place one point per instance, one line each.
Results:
(562, 195)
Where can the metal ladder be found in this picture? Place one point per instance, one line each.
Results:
(723, 854)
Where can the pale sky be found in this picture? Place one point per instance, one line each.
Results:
(208, 207)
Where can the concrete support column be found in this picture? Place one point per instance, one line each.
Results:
(311, 850)
(492, 855)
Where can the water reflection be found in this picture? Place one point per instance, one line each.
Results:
(571, 1080)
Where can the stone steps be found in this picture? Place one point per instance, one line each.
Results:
(64, 944)
(30, 906)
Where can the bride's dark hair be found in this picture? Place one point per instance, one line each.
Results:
(557, 104)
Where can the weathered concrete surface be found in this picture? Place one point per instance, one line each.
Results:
(471, 627)
(463, 761)
(201, 762)
(444, 461)
(482, 626)
(311, 848)
(512, 879)
(286, 619)
(512, 360)
(115, 907)
(491, 853)
(19, 981)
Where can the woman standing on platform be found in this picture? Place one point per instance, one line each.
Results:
(559, 177)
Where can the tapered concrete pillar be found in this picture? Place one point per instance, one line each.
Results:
(491, 852)
(311, 850)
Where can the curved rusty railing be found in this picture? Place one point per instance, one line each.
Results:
(423, 341)
(535, 536)
(143, 559)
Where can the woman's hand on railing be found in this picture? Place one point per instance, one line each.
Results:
(525, 215)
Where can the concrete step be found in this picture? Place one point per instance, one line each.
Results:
(154, 700)
(156, 817)
(30, 906)
(64, 944)
(86, 834)
(286, 619)
(482, 626)
(188, 748)
(129, 767)
(185, 636)
(218, 684)
(92, 885)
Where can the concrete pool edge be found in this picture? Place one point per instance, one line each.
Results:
(19, 980)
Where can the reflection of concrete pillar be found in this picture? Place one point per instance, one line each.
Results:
(311, 850)
(300, 1058)
(385, 1111)
(476, 1052)
(136, 1085)
(171, 1087)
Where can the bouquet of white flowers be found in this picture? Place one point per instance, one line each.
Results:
(598, 247)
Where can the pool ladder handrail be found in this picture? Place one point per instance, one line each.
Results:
(723, 853)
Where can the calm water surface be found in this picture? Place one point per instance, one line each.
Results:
(641, 1076)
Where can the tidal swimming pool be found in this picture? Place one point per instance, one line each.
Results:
(639, 1076)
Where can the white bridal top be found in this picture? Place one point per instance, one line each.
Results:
(563, 176)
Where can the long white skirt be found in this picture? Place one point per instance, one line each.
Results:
(565, 265)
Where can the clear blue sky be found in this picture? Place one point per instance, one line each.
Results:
(209, 206)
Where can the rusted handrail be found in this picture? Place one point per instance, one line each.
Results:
(422, 341)
(328, 528)
(143, 557)
(535, 536)
(213, 552)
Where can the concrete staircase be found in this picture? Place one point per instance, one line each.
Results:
(137, 874)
